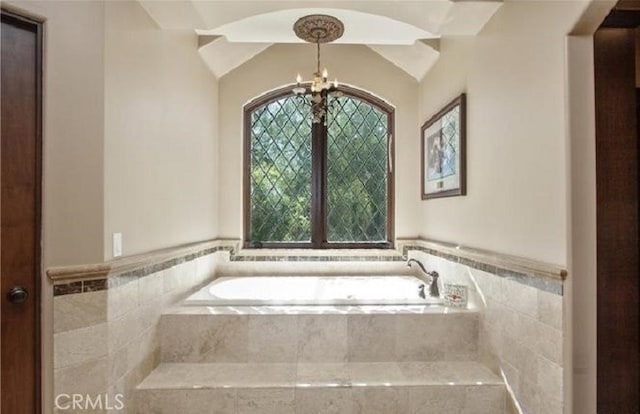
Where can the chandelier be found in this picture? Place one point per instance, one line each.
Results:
(318, 28)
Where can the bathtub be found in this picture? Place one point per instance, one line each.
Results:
(311, 290)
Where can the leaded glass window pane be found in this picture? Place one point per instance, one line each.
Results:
(356, 172)
(281, 172)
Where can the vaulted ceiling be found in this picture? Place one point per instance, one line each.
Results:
(406, 33)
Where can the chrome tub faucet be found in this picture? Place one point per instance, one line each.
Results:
(433, 285)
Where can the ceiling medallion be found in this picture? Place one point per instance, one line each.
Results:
(318, 28)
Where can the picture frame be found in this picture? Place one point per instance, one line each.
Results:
(443, 151)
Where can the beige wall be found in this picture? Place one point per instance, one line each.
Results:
(354, 65)
(160, 135)
(513, 73)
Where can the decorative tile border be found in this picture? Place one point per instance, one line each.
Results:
(541, 278)
(126, 277)
(83, 279)
(92, 278)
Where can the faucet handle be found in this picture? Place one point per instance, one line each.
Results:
(433, 287)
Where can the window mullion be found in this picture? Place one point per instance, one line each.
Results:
(318, 185)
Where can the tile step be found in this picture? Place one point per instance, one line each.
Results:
(318, 388)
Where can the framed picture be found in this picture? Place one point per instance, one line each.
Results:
(443, 151)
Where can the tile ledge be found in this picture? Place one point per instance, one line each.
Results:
(120, 265)
(501, 260)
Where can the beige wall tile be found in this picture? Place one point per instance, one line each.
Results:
(79, 310)
(380, 400)
(171, 278)
(205, 268)
(185, 402)
(550, 309)
(520, 297)
(266, 401)
(80, 345)
(117, 361)
(548, 406)
(218, 401)
(491, 285)
(371, 337)
(143, 349)
(185, 275)
(309, 374)
(273, 338)
(149, 314)
(549, 379)
(436, 337)
(549, 342)
(86, 378)
(484, 399)
(461, 339)
(323, 401)
(203, 338)
(529, 396)
(512, 375)
(490, 337)
(150, 288)
(441, 399)
(117, 388)
(418, 339)
(122, 299)
(322, 338)
(124, 329)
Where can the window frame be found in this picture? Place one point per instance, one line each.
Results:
(318, 175)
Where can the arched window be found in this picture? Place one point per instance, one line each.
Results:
(319, 185)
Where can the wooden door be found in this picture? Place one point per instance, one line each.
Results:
(617, 215)
(20, 213)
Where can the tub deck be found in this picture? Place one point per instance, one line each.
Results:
(312, 290)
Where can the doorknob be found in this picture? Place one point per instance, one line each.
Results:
(17, 294)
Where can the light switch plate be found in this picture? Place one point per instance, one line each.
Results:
(117, 244)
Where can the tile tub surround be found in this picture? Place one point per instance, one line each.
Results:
(108, 334)
(521, 331)
(106, 337)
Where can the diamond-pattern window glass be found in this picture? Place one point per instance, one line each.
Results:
(280, 209)
(357, 134)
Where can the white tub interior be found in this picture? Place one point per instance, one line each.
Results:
(312, 290)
